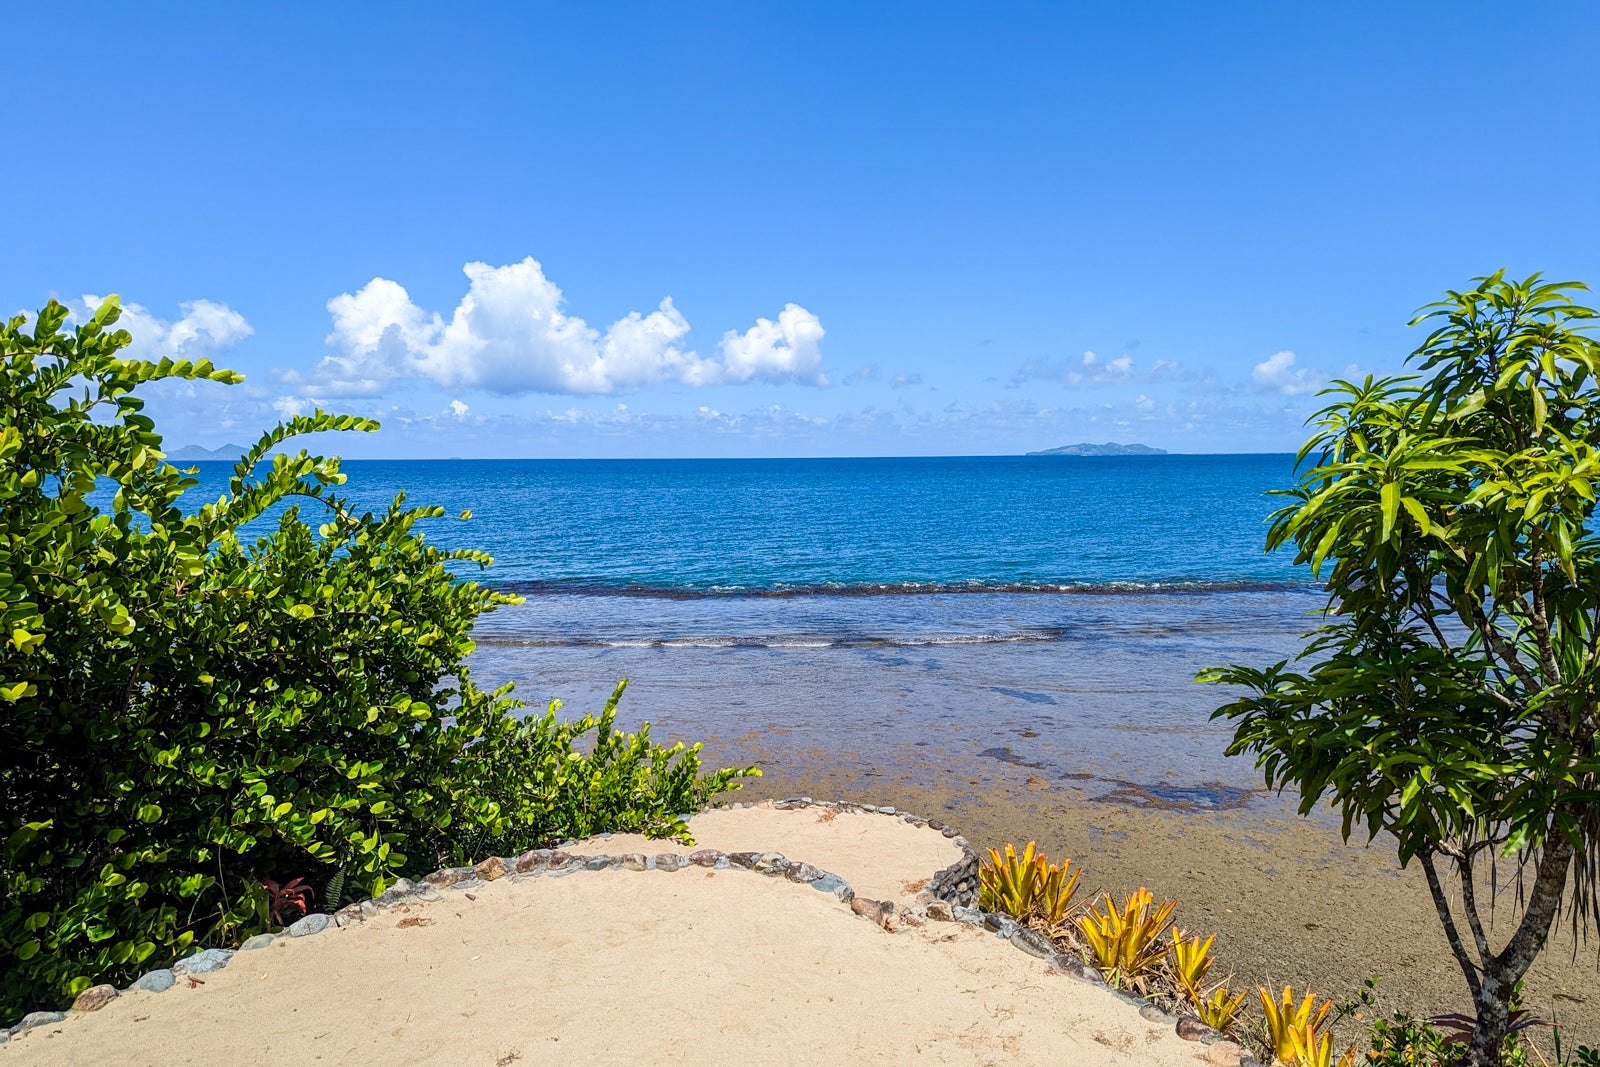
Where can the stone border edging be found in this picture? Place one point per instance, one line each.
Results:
(950, 895)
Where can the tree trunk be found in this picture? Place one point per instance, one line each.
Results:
(1494, 1021)
(1502, 972)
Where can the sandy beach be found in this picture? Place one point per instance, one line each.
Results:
(695, 966)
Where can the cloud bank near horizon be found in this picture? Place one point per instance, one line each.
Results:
(511, 333)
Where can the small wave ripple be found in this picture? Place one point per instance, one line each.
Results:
(872, 589)
(778, 641)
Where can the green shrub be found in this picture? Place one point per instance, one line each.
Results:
(1403, 1040)
(549, 791)
(187, 710)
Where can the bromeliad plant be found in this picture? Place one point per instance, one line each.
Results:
(1460, 1027)
(1191, 960)
(1126, 944)
(1058, 885)
(1311, 1047)
(1219, 1008)
(1187, 967)
(1285, 1017)
(1027, 886)
(287, 902)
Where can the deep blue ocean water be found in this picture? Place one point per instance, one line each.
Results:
(1045, 612)
(729, 526)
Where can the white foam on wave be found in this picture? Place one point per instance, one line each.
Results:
(778, 641)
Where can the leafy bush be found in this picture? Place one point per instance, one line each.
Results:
(188, 710)
(1403, 1040)
(549, 791)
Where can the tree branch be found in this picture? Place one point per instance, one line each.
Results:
(1424, 608)
(1442, 905)
(1593, 619)
(1469, 901)
(1496, 642)
(1549, 886)
(1539, 617)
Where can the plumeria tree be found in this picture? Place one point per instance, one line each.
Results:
(1449, 697)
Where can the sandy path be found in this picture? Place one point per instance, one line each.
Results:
(694, 966)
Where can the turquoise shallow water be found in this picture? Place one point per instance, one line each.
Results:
(1042, 613)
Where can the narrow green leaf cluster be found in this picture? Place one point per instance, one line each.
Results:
(189, 707)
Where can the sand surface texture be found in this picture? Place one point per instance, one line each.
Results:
(692, 966)
(878, 855)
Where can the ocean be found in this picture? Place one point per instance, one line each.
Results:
(914, 618)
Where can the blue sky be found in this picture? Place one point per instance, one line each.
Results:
(879, 229)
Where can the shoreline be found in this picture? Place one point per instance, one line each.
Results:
(1288, 900)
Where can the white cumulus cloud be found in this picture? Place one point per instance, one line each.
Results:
(775, 351)
(206, 330)
(511, 333)
(1278, 374)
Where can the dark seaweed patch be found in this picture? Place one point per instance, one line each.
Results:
(1023, 694)
(1208, 796)
(1005, 755)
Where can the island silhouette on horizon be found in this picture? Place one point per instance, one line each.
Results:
(200, 452)
(1110, 448)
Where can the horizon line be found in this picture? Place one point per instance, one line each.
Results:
(737, 459)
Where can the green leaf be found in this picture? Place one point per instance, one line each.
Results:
(1391, 507)
(1418, 514)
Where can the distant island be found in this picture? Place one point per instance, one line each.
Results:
(191, 452)
(1110, 448)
